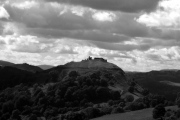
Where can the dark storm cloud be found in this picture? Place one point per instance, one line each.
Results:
(115, 5)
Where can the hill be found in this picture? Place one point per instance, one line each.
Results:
(11, 76)
(45, 67)
(27, 67)
(164, 82)
(92, 63)
(5, 63)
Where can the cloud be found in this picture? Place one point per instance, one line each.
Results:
(28, 44)
(18, 57)
(166, 16)
(114, 5)
(3, 13)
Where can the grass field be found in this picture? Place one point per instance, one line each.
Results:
(145, 114)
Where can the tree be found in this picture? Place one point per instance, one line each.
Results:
(15, 114)
(178, 113)
(115, 95)
(159, 111)
(145, 92)
(129, 98)
(33, 117)
(8, 107)
(153, 103)
(131, 89)
(103, 93)
(54, 75)
(73, 74)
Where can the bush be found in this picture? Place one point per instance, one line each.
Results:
(106, 110)
(92, 112)
(117, 110)
(159, 111)
(75, 116)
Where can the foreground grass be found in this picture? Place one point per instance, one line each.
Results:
(145, 114)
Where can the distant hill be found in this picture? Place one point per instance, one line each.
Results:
(11, 76)
(164, 82)
(5, 63)
(45, 67)
(27, 67)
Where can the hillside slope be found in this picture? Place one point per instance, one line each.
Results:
(164, 82)
(5, 63)
(27, 67)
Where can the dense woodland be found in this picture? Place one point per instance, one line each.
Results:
(76, 98)
(68, 93)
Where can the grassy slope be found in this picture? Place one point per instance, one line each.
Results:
(145, 114)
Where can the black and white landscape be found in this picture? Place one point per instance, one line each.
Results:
(89, 59)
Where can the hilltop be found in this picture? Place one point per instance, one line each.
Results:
(92, 63)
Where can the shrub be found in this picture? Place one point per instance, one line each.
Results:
(117, 110)
(106, 110)
(75, 116)
(159, 111)
(92, 112)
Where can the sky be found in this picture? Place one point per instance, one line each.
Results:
(136, 35)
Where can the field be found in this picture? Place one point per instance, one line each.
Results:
(145, 114)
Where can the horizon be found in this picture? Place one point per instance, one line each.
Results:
(136, 35)
(86, 59)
